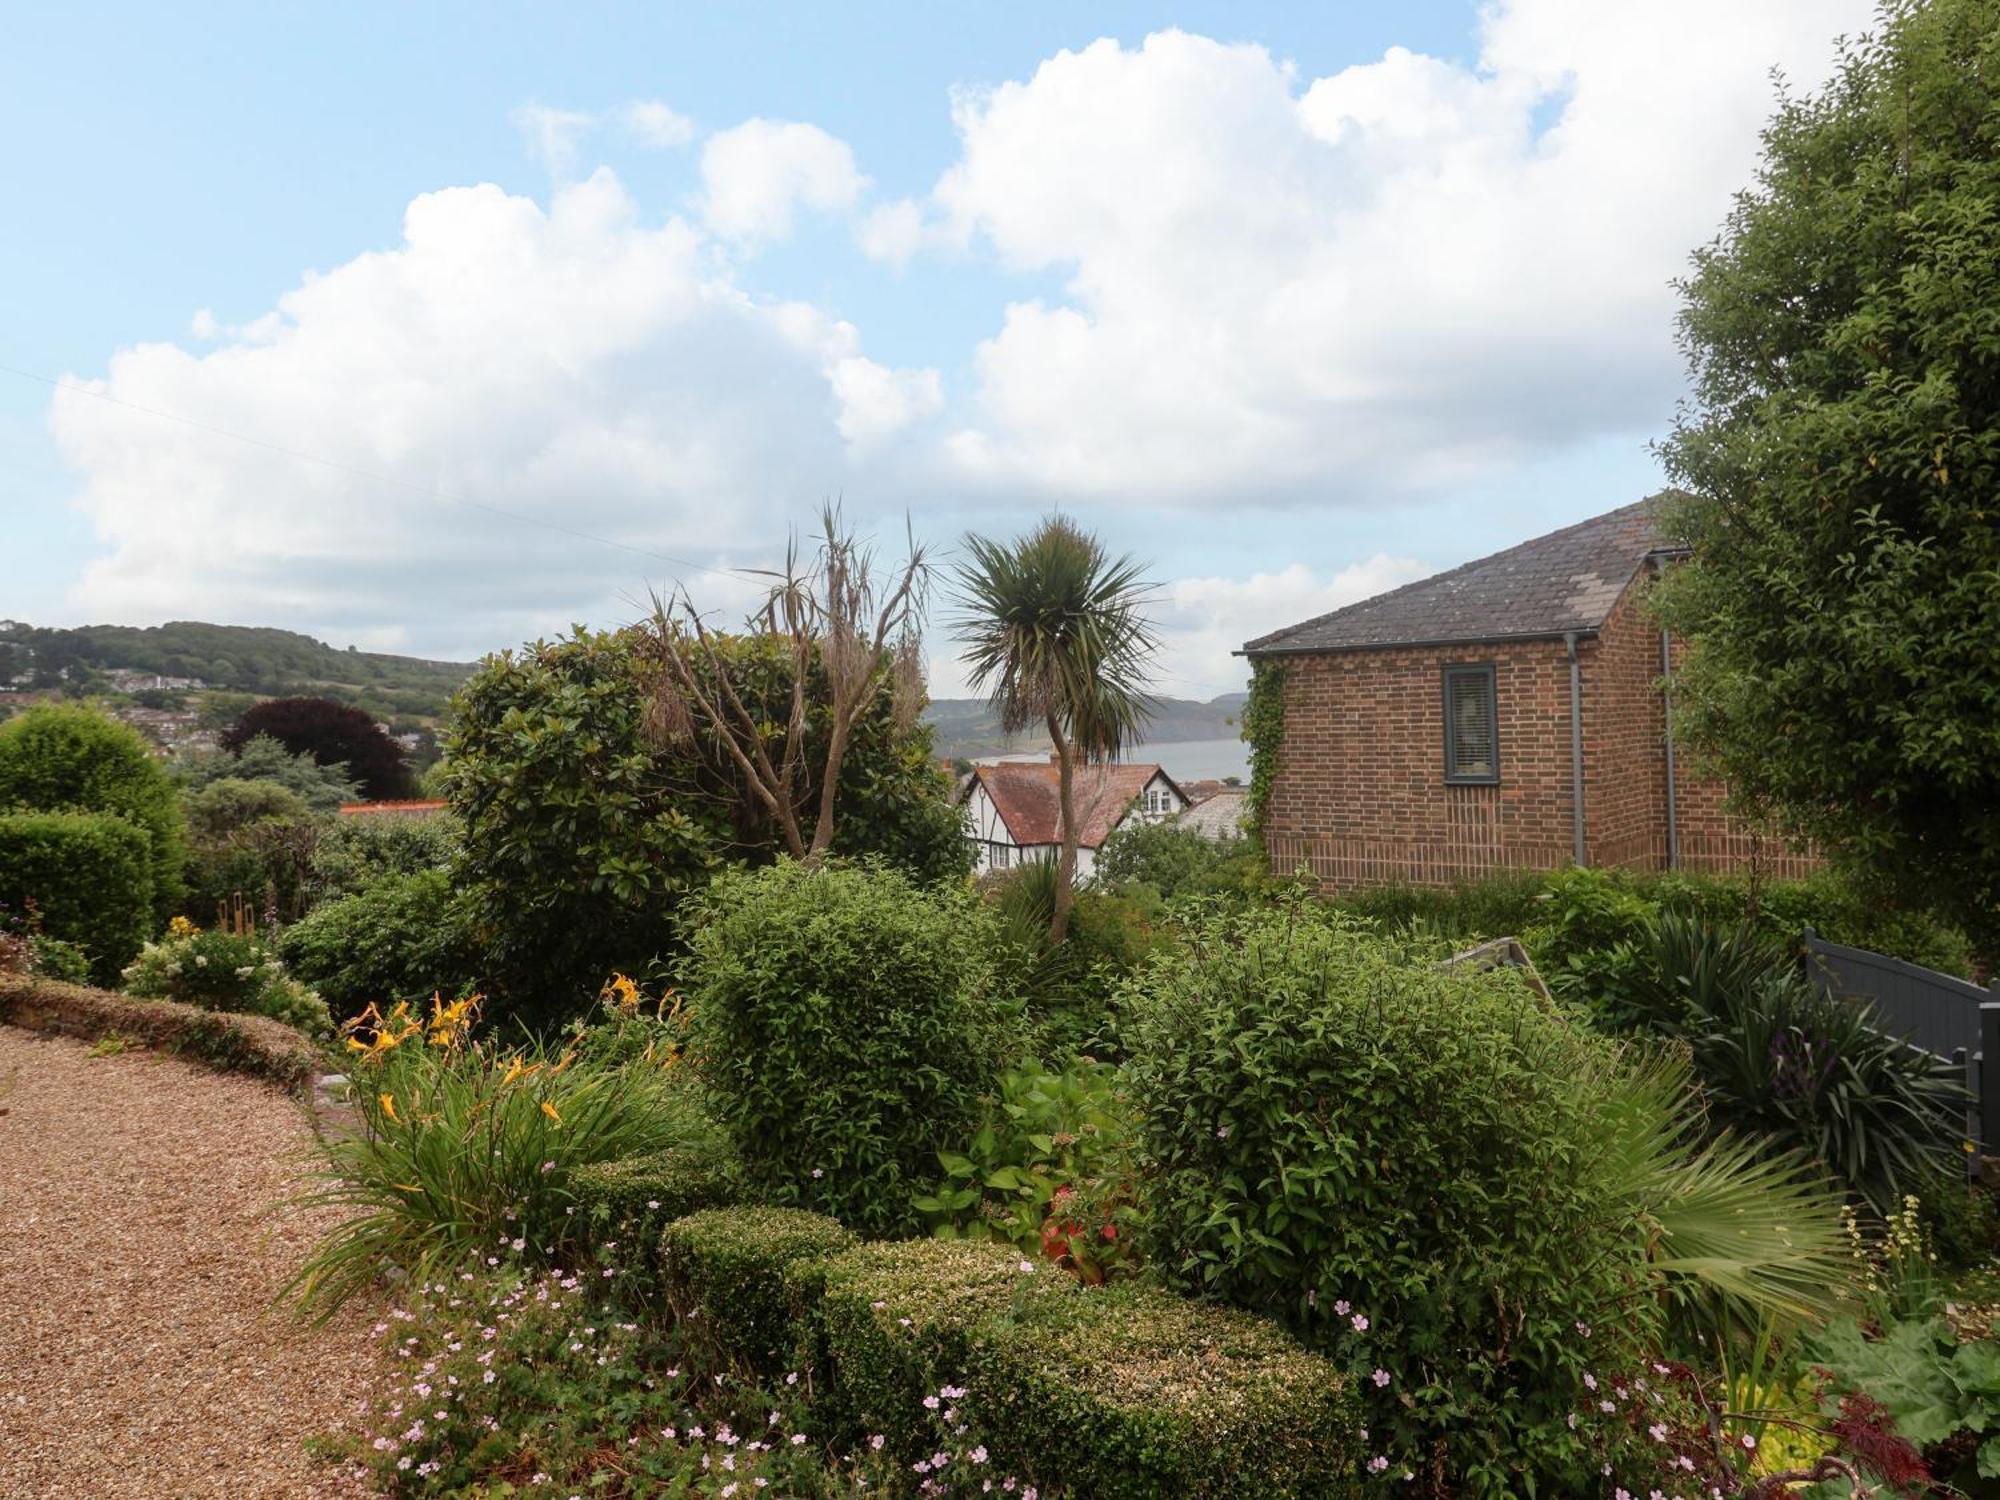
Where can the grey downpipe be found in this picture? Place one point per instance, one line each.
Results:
(1576, 749)
(1667, 717)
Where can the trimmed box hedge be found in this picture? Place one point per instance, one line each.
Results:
(633, 1200)
(723, 1272)
(889, 1324)
(1122, 1391)
(90, 877)
(1131, 1392)
(233, 1043)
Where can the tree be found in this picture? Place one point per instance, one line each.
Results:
(332, 734)
(1841, 454)
(859, 643)
(262, 758)
(63, 759)
(1054, 634)
(584, 832)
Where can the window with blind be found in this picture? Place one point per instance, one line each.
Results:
(1471, 726)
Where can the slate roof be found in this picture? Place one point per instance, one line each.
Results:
(1567, 580)
(1218, 817)
(1026, 797)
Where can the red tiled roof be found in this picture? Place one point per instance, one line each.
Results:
(415, 809)
(1026, 797)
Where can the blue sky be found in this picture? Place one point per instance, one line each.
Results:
(1292, 301)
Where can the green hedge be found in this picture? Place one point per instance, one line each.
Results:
(1126, 1391)
(889, 1324)
(1130, 1392)
(723, 1271)
(90, 877)
(632, 1201)
(403, 937)
(255, 1045)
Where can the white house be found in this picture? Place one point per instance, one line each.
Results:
(1014, 812)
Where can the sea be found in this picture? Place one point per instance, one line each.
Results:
(1184, 760)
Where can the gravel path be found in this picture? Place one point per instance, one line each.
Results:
(139, 1251)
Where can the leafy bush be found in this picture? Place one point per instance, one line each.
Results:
(225, 971)
(1049, 1171)
(1790, 1066)
(264, 863)
(57, 759)
(585, 829)
(1504, 905)
(230, 802)
(1942, 1395)
(1178, 861)
(404, 937)
(842, 1032)
(724, 1272)
(89, 877)
(261, 758)
(333, 734)
(1067, 988)
(352, 854)
(462, 1146)
(1360, 1146)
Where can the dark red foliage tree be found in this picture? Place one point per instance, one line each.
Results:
(332, 734)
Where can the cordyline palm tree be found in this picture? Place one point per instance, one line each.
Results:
(1055, 637)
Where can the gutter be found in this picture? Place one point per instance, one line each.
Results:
(1578, 850)
(1254, 650)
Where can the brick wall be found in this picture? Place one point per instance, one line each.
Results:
(1360, 795)
(1624, 730)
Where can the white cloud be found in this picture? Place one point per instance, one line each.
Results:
(652, 123)
(1202, 621)
(572, 364)
(757, 174)
(552, 135)
(1376, 283)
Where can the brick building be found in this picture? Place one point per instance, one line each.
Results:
(1507, 714)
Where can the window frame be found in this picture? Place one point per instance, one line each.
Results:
(998, 856)
(1489, 672)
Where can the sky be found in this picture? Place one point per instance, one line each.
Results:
(435, 329)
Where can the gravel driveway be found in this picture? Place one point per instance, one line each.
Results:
(139, 1251)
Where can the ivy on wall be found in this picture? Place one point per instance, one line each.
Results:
(1263, 726)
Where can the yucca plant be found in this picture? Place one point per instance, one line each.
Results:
(461, 1146)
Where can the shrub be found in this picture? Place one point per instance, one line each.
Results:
(1049, 1171)
(352, 854)
(89, 877)
(57, 759)
(1503, 905)
(1131, 1392)
(1176, 860)
(263, 863)
(888, 1325)
(1397, 1162)
(461, 1146)
(404, 937)
(1067, 988)
(333, 734)
(842, 1033)
(261, 758)
(236, 973)
(585, 828)
(630, 1201)
(230, 802)
(243, 1044)
(724, 1273)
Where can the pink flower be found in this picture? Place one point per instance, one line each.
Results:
(1360, 1322)
(1380, 1377)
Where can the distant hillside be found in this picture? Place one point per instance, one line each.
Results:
(967, 727)
(240, 658)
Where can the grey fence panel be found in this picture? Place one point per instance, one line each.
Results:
(1950, 1017)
